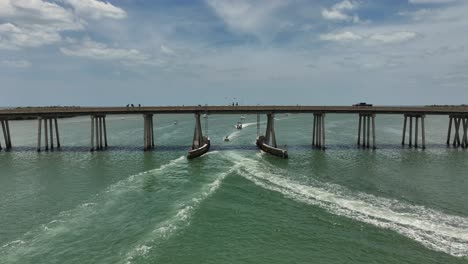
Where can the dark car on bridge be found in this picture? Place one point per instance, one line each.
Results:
(362, 104)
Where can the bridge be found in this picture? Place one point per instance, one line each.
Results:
(413, 117)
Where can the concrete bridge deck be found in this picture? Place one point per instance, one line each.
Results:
(47, 122)
(83, 111)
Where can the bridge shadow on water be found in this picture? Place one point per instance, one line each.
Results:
(183, 148)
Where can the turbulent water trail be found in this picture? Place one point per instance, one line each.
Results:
(180, 219)
(99, 213)
(433, 229)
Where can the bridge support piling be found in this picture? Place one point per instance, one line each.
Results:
(46, 135)
(105, 131)
(449, 130)
(366, 127)
(101, 134)
(359, 131)
(49, 123)
(148, 134)
(6, 134)
(258, 124)
(423, 132)
(456, 136)
(7, 124)
(92, 133)
(411, 131)
(465, 132)
(418, 118)
(368, 131)
(373, 132)
(318, 131)
(404, 130)
(96, 133)
(364, 131)
(152, 133)
(57, 132)
(51, 135)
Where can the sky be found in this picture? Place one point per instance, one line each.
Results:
(190, 52)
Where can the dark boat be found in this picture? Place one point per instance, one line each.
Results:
(201, 150)
(226, 138)
(269, 149)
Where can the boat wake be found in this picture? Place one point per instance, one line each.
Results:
(435, 230)
(179, 220)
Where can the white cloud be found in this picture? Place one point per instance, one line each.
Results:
(97, 9)
(15, 63)
(246, 16)
(33, 23)
(382, 38)
(14, 37)
(418, 15)
(394, 37)
(100, 51)
(39, 12)
(343, 36)
(166, 50)
(338, 12)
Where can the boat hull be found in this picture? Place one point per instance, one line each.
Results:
(271, 150)
(194, 153)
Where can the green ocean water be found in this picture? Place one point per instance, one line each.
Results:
(235, 204)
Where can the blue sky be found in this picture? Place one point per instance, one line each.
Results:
(174, 52)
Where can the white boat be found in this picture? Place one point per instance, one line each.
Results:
(242, 117)
(204, 115)
(175, 123)
(239, 125)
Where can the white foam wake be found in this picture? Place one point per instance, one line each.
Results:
(180, 219)
(82, 211)
(433, 229)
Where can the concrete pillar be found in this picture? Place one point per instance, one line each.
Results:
(92, 133)
(314, 128)
(373, 132)
(364, 129)
(359, 131)
(464, 143)
(410, 131)
(145, 133)
(152, 132)
(319, 132)
(423, 133)
(57, 133)
(39, 124)
(268, 130)
(416, 132)
(456, 138)
(51, 134)
(101, 145)
(8, 133)
(449, 130)
(105, 131)
(46, 134)
(368, 130)
(404, 130)
(258, 124)
(96, 127)
(5, 134)
(322, 117)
